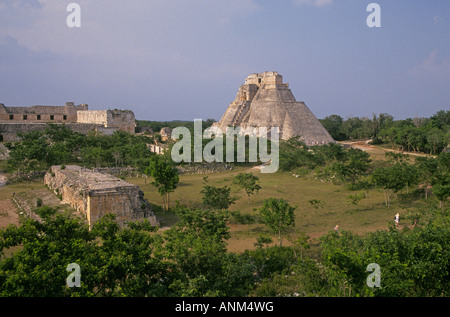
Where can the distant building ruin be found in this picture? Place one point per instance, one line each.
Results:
(76, 117)
(165, 134)
(157, 148)
(95, 194)
(265, 101)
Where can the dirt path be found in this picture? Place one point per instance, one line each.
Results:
(8, 213)
(365, 146)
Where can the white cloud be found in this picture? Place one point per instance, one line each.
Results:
(432, 65)
(316, 3)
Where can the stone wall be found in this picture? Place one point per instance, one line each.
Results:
(123, 120)
(95, 194)
(93, 117)
(78, 118)
(38, 114)
(204, 168)
(120, 119)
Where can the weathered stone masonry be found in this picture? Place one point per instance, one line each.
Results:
(95, 194)
(265, 101)
(77, 118)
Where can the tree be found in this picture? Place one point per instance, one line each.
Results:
(165, 177)
(248, 182)
(427, 167)
(333, 125)
(442, 192)
(217, 198)
(196, 246)
(437, 140)
(410, 174)
(390, 179)
(278, 215)
(94, 156)
(113, 261)
(29, 154)
(357, 165)
(441, 179)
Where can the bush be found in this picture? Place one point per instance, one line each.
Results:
(243, 219)
(376, 141)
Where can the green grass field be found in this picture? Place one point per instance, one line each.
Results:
(334, 208)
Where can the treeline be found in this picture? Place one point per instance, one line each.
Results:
(58, 145)
(156, 126)
(191, 259)
(429, 135)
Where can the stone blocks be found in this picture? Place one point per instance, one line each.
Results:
(95, 194)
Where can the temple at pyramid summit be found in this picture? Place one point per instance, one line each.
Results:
(265, 101)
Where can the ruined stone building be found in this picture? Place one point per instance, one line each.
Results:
(76, 117)
(165, 134)
(157, 148)
(265, 101)
(95, 194)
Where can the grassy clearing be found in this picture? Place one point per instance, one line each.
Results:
(334, 207)
(320, 205)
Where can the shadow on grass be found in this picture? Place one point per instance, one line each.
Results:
(166, 218)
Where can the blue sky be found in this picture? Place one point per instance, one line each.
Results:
(185, 59)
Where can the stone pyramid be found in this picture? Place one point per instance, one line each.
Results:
(265, 101)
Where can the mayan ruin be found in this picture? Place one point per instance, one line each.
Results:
(265, 101)
(219, 157)
(76, 117)
(94, 194)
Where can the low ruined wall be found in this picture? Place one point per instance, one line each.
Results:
(122, 119)
(95, 194)
(119, 171)
(119, 119)
(204, 168)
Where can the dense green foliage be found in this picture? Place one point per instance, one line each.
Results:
(217, 198)
(430, 135)
(191, 259)
(248, 182)
(326, 161)
(354, 168)
(278, 215)
(156, 126)
(57, 145)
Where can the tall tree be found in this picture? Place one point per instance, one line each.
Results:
(390, 179)
(427, 167)
(165, 177)
(441, 179)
